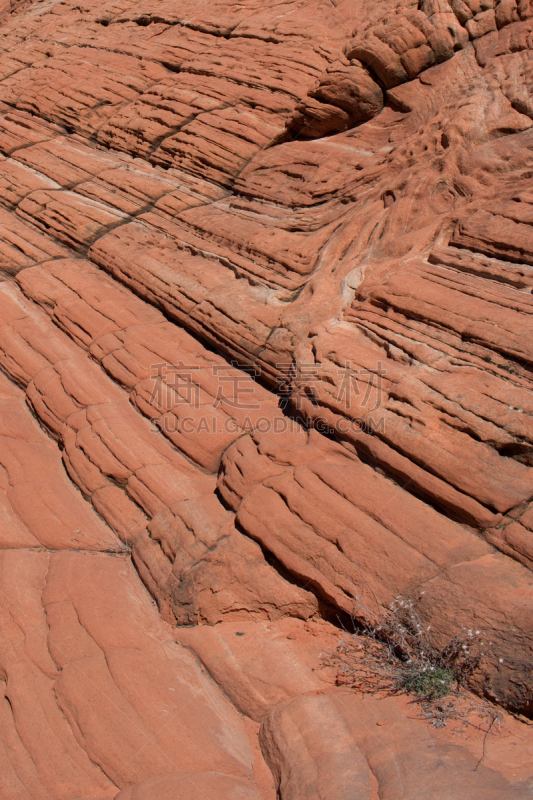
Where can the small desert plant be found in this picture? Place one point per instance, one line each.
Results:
(428, 682)
(397, 655)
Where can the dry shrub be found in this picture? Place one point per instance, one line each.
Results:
(396, 655)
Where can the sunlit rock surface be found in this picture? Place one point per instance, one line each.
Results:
(266, 350)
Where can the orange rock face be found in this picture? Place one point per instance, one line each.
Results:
(266, 353)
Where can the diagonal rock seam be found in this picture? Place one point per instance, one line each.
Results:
(205, 548)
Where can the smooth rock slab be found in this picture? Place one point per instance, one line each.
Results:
(343, 747)
(96, 686)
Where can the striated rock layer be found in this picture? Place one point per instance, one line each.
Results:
(266, 355)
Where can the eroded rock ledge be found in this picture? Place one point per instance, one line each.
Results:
(266, 351)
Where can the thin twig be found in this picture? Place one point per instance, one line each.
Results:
(485, 742)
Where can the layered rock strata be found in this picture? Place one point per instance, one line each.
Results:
(265, 342)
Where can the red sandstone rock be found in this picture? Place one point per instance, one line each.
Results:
(339, 525)
(398, 757)
(209, 212)
(23, 246)
(92, 643)
(191, 786)
(39, 504)
(259, 678)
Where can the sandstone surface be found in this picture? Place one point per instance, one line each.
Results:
(266, 353)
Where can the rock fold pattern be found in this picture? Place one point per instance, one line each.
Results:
(266, 354)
